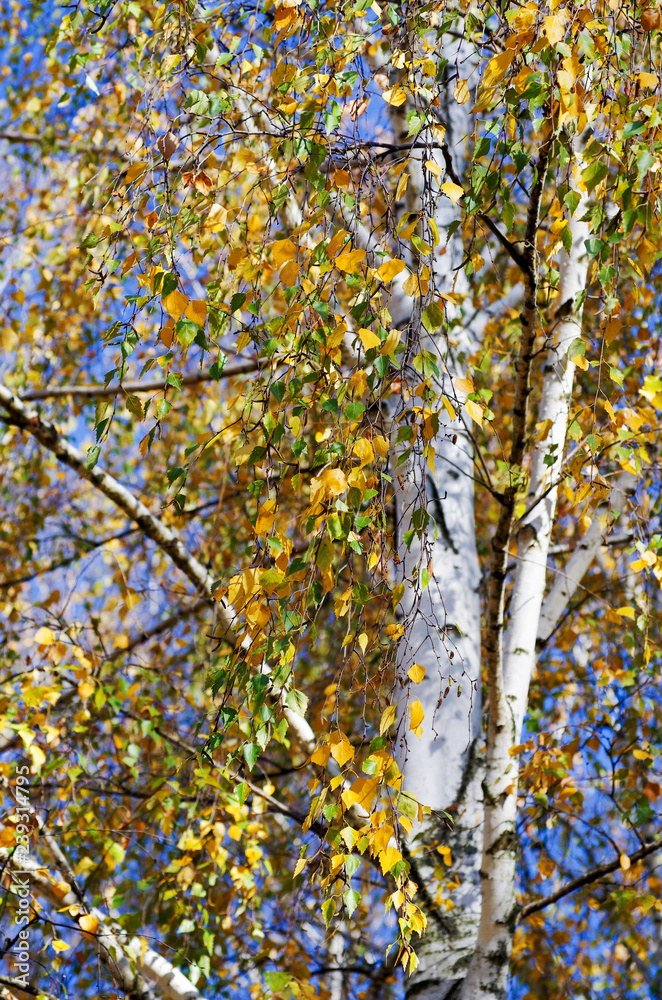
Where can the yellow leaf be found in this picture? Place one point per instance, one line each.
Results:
(625, 862)
(395, 96)
(416, 673)
(242, 454)
(612, 329)
(464, 384)
(416, 715)
(37, 754)
(388, 858)
(474, 411)
(135, 171)
(497, 67)
(450, 409)
(454, 191)
(445, 852)
(390, 269)
(44, 637)
(335, 481)
(434, 168)
(265, 517)
(411, 286)
(525, 17)
(85, 690)
(543, 428)
(59, 945)
(257, 615)
(625, 612)
(349, 836)
(388, 715)
(217, 218)
(403, 181)
(391, 342)
(321, 756)
(282, 251)
(647, 79)
(342, 752)
(289, 273)
(9, 340)
(299, 866)
(89, 923)
(242, 158)
(381, 445)
(363, 451)
(350, 261)
(369, 339)
(196, 310)
(175, 304)
(640, 754)
(461, 91)
(555, 28)
(336, 242)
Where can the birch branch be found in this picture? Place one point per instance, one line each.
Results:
(128, 388)
(137, 964)
(47, 435)
(106, 942)
(572, 574)
(586, 879)
(152, 527)
(122, 956)
(17, 984)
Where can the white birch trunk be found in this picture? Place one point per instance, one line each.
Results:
(443, 768)
(488, 974)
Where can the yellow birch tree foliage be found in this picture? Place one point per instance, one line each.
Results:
(329, 500)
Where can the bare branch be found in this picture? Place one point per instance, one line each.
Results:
(129, 388)
(587, 879)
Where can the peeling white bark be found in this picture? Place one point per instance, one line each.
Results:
(488, 973)
(443, 768)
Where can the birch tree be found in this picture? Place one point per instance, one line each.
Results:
(330, 394)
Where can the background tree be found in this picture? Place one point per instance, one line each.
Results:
(330, 393)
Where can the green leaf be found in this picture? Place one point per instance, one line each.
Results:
(297, 701)
(277, 981)
(328, 909)
(354, 410)
(197, 102)
(352, 899)
(186, 331)
(134, 406)
(594, 173)
(92, 457)
(251, 754)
